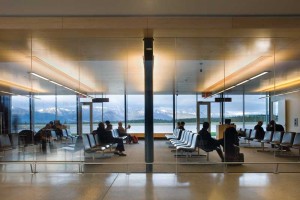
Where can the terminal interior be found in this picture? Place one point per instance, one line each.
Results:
(84, 69)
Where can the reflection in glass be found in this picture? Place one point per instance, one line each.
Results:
(20, 112)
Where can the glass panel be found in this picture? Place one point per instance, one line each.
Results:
(20, 113)
(136, 113)
(97, 114)
(234, 110)
(186, 111)
(113, 110)
(255, 110)
(67, 111)
(44, 110)
(215, 113)
(86, 119)
(163, 113)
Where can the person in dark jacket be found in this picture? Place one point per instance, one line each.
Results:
(230, 144)
(208, 142)
(105, 136)
(272, 126)
(259, 130)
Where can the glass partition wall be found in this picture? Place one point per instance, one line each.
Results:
(242, 78)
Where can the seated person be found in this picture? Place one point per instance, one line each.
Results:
(106, 137)
(26, 136)
(58, 127)
(230, 144)
(178, 125)
(43, 135)
(259, 130)
(272, 126)
(109, 126)
(181, 126)
(209, 143)
(123, 132)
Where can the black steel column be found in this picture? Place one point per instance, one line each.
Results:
(222, 107)
(79, 116)
(5, 110)
(174, 110)
(125, 109)
(148, 66)
(31, 114)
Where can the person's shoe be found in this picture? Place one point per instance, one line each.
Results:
(116, 153)
(122, 154)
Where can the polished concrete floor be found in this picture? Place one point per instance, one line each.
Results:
(143, 186)
(123, 178)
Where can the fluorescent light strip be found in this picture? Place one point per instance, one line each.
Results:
(245, 81)
(69, 88)
(18, 95)
(276, 95)
(7, 93)
(261, 74)
(230, 88)
(56, 83)
(42, 77)
(37, 75)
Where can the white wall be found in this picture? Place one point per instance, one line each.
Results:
(292, 110)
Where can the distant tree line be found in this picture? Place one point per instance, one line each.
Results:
(248, 118)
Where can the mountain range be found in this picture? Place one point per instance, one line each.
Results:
(112, 114)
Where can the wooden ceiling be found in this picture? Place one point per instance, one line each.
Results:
(192, 54)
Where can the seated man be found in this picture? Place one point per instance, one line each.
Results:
(272, 126)
(259, 130)
(209, 143)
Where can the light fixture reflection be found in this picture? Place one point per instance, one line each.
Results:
(56, 83)
(290, 92)
(42, 77)
(241, 83)
(261, 74)
(39, 76)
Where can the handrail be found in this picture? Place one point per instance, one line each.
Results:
(34, 163)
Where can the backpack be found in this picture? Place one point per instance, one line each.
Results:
(135, 139)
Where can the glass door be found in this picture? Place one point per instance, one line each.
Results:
(203, 114)
(85, 118)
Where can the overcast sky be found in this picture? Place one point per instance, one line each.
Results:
(253, 105)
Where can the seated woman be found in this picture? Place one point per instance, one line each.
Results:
(123, 132)
(207, 143)
(106, 137)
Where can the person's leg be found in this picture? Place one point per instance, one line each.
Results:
(120, 147)
(216, 146)
(220, 153)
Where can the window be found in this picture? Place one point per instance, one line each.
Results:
(67, 111)
(44, 110)
(114, 109)
(215, 113)
(255, 110)
(136, 113)
(163, 113)
(186, 111)
(20, 113)
(234, 110)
